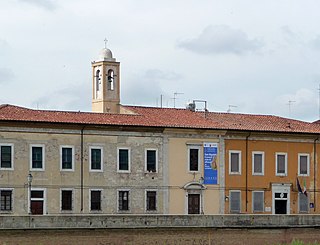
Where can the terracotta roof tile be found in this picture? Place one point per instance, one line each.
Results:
(162, 117)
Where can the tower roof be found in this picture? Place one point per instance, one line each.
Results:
(106, 55)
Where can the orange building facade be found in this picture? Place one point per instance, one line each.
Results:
(271, 173)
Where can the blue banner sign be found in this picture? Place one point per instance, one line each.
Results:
(210, 163)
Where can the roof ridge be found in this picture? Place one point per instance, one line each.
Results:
(3, 105)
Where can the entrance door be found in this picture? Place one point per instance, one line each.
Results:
(280, 206)
(37, 201)
(281, 198)
(36, 207)
(193, 203)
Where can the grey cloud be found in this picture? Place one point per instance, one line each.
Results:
(155, 74)
(288, 34)
(46, 4)
(146, 88)
(315, 43)
(221, 39)
(70, 98)
(6, 75)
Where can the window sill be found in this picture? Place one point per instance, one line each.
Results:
(281, 175)
(96, 171)
(234, 173)
(6, 169)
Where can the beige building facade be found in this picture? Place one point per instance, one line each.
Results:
(81, 170)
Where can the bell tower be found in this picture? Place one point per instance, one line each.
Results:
(106, 83)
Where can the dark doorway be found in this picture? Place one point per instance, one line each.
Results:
(37, 207)
(280, 206)
(194, 204)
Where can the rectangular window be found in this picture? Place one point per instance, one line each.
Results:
(6, 200)
(194, 158)
(37, 157)
(151, 160)
(151, 198)
(96, 158)
(123, 200)
(303, 164)
(258, 201)
(257, 163)
(281, 164)
(234, 162)
(6, 156)
(303, 203)
(67, 158)
(124, 160)
(95, 200)
(66, 200)
(235, 202)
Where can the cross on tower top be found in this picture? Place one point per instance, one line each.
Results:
(105, 42)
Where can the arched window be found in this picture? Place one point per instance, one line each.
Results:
(98, 84)
(110, 79)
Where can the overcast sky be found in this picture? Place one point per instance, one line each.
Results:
(253, 55)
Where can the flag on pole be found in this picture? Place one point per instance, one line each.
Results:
(305, 187)
(304, 191)
(299, 186)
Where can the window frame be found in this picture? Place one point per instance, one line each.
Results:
(237, 152)
(90, 159)
(72, 158)
(118, 201)
(146, 200)
(146, 160)
(257, 211)
(286, 163)
(43, 157)
(72, 200)
(12, 156)
(194, 147)
(11, 201)
(230, 201)
(118, 159)
(90, 201)
(253, 163)
(308, 164)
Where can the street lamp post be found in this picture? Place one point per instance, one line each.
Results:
(30, 177)
(201, 181)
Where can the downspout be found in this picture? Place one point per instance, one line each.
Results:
(81, 168)
(314, 171)
(247, 137)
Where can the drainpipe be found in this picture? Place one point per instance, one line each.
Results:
(247, 137)
(81, 168)
(314, 171)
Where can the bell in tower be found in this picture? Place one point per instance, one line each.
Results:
(106, 83)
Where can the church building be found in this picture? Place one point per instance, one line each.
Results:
(121, 159)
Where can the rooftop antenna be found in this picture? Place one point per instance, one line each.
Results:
(161, 99)
(289, 104)
(105, 42)
(174, 98)
(231, 106)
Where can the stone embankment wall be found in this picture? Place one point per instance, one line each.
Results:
(178, 230)
(157, 221)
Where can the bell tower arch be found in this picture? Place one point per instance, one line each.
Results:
(106, 83)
